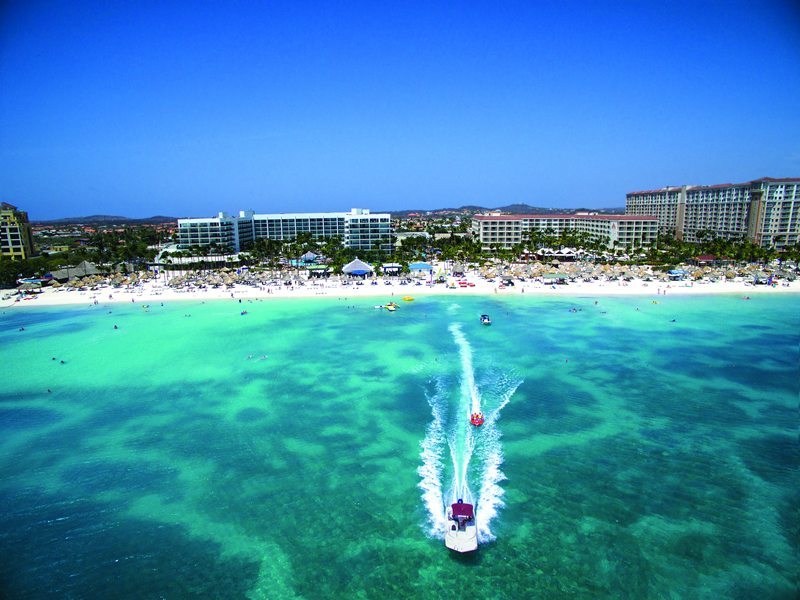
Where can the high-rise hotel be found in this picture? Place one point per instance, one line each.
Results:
(16, 240)
(766, 211)
(623, 231)
(359, 229)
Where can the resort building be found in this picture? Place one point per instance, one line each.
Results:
(359, 229)
(622, 231)
(766, 211)
(16, 239)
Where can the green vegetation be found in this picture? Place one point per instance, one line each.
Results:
(109, 249)
(136, 246)
(672, 251)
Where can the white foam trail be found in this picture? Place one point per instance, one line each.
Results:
(430, 471)
(468, 374)
(453, 308)
(490, 498)
(466, 444)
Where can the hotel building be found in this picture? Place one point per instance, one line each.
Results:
(766, 211)
(16, 239)
(359, 229)
(624, 231)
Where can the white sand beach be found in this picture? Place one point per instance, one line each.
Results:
(384, 290)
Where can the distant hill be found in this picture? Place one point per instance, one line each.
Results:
(469, 209)
(519, 209)
(107, 220)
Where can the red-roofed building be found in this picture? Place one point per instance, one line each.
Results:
(765, 211)
(625, 231)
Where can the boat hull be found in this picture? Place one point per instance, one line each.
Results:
(462, 541)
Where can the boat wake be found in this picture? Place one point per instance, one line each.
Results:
(456, 456)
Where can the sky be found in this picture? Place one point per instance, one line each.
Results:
(139, 108)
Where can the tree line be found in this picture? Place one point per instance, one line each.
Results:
(137, 246)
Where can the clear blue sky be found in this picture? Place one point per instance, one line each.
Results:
(185, 109)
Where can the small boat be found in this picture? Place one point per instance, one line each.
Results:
(462, 532)
(486, 320)
(477, 419)
(408, 298)
(392, 306)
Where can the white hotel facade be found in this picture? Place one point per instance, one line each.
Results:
(623, 231)
(766, 211)
(359, 229)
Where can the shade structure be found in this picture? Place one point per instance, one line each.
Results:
(309, 257)
(461, 509)
(391, 267)
(420, 266)
(357, 267)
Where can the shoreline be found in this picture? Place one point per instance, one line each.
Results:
(152, 291)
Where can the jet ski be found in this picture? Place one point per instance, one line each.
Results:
(486, 320)
(476, 419)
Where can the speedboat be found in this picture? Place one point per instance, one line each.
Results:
(462, 531)
(486, 320)
(476, 419)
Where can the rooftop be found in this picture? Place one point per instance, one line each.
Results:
(671, 188)
(566, 216)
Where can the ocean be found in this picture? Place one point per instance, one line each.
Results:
(306, 449)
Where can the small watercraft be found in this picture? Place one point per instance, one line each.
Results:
(477, 419)
(462, 531)
(408, 298)
(392, 306)
(486, 320)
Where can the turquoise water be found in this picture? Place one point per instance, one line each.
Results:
(306, 449)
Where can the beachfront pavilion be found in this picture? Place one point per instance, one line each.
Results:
(357, 268)
(391, 268)
(318, 271)
(420, 267)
